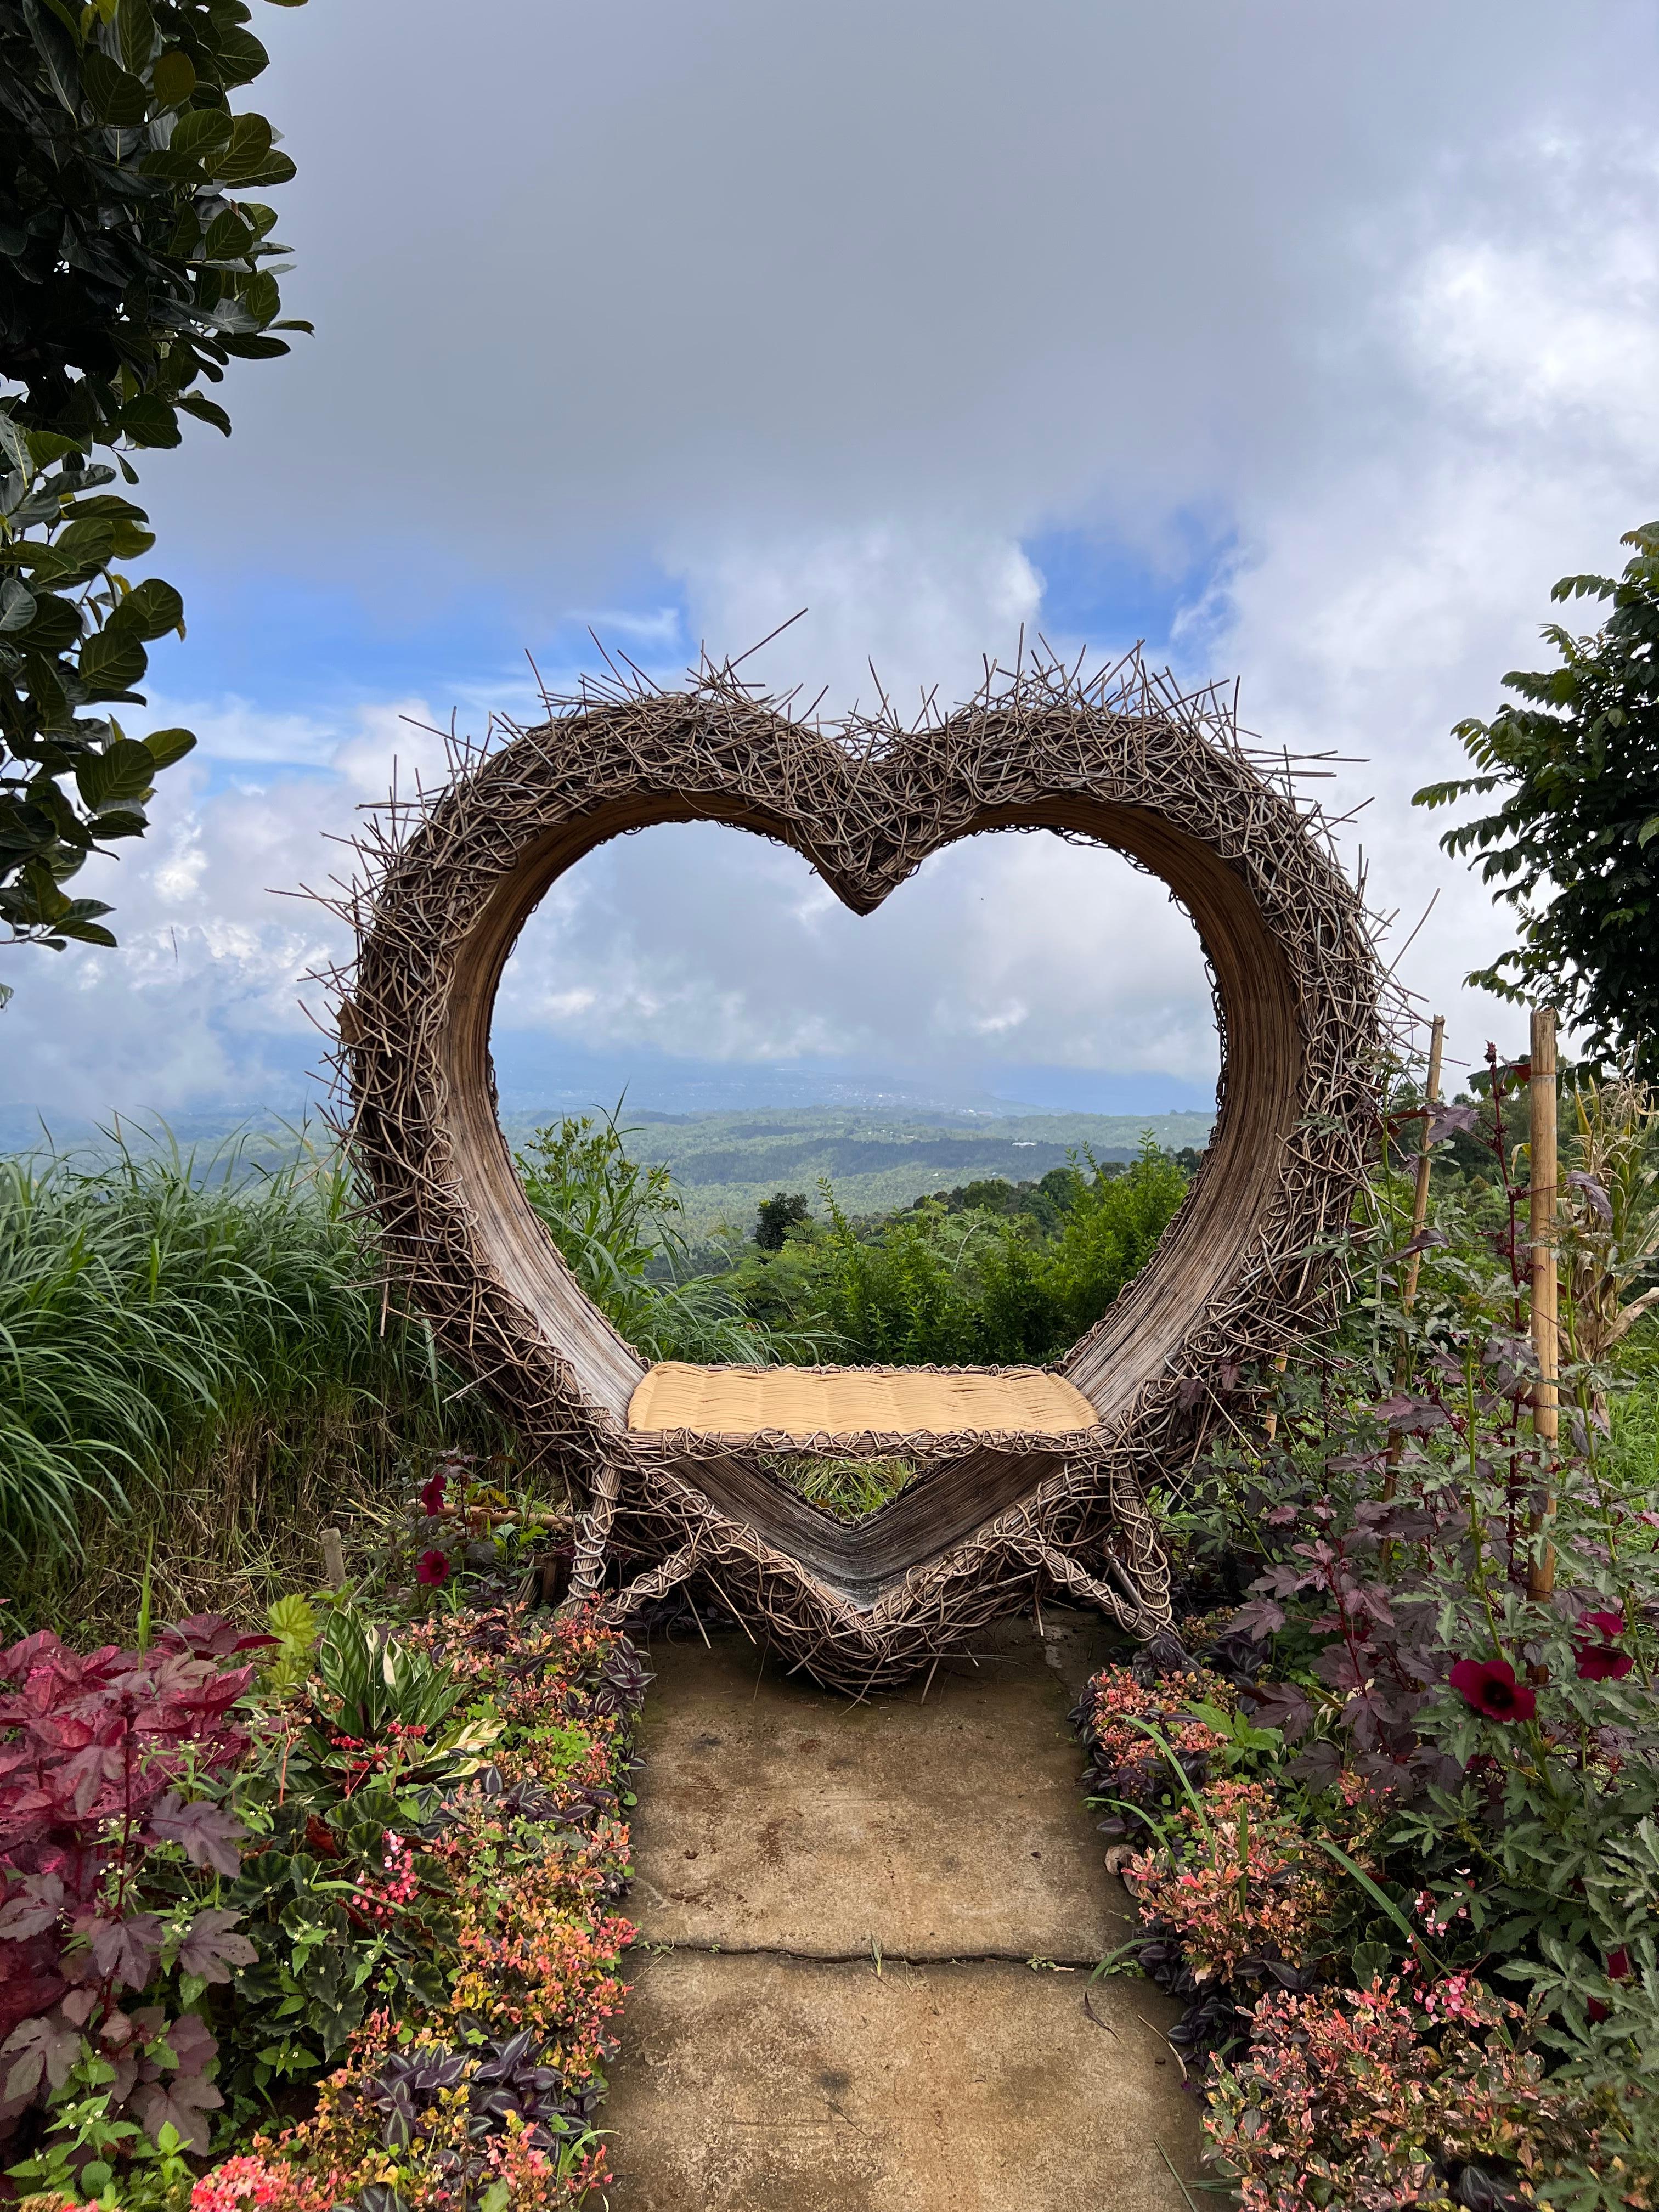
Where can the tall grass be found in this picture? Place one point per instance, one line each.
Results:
(196, 1350)
(617, 1222)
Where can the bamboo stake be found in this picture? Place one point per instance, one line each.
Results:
(1424, 1162)
(1541, 1205)
(1419, 1216)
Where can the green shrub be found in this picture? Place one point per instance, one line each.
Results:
(976, 1289)
(617, 1222)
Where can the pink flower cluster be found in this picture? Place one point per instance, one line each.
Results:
(261, 2184)
(383, 1901)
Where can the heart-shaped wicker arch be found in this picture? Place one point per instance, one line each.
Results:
(1244, 1271)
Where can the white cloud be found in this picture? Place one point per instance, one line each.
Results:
(1013, 950)
(839, 307)
(202, 1004)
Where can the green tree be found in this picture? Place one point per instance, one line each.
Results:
(1572, 846)
(130, 275)
(775, 1217)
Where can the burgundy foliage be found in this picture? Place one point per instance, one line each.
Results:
(102, 1758)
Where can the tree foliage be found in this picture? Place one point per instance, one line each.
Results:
(775, 1217)
(1572, 846)
(130, 275)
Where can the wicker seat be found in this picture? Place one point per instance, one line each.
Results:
(820, 1406)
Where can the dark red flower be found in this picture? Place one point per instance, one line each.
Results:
(1599, 1657)
(1489, 1684)
(431, 1568)
(432, 1494)
(1617, 1971)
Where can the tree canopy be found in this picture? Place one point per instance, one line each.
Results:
(1572, 846)
(130, 275)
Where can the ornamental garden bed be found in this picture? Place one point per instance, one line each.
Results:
(325, 1915)
(1389, 1811)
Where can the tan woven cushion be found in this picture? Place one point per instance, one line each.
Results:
(843, 1401)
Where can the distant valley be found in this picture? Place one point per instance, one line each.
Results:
(726, 1163)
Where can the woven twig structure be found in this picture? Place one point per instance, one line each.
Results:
(1246, 1269)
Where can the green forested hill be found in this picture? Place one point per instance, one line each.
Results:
(726, 1163)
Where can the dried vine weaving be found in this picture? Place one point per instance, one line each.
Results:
(1123, 761)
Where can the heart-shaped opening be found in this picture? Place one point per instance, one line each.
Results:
(1132, 1345)
(693, 968)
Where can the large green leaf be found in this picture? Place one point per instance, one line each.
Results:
(111, 661)
(238, 56)
(260, 297)
(150, 609)
(116, 96)
(134, 27)
(165, 747)
(149, 421)
(56, 51)
(124, 769)
(56, 626)
(86, 537)
(203, 132)
(83, 925)
(174, 78)
(17, 605)
(206, 410)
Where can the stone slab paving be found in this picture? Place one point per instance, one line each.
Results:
(757, 2084)
(775, 1815)
(788, 1844)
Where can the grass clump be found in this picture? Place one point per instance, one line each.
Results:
(851, 1489)
(202, 1354)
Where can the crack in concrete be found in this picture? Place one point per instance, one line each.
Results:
(871, 1956)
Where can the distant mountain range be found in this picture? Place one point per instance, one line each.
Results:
(727, 1164)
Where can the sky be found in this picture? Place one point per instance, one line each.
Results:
(1306, 343)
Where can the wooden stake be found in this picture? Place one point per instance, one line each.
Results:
(1424, 1162)
(334, 1571)
(1541, 1205)
(1420, 1215)
(1270, 1418)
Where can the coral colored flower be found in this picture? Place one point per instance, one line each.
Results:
(431, 1568)
(432, 1494)
(1489, 1684)
(1598, 1658)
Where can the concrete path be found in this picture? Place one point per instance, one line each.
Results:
(865, 1932)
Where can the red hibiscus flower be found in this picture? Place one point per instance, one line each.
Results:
(432, 1494)
(431, 1568)
(1599, 1657)
(1489, 1684)
(1617, 1971)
